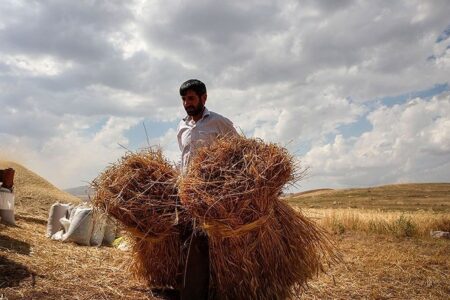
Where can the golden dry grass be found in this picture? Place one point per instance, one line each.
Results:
(397, 223)
(140, 192)
(386, 267)
(34, 267)
(376, 266)
(260, 248)
(401, 197)
(34, 194)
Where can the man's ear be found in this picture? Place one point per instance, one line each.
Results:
(204, 96)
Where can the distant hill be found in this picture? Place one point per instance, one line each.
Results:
(313, 192)
(413, 196)
(34, 194)
(83, 192)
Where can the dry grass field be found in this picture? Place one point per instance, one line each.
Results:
(400, 197)
(386, 249)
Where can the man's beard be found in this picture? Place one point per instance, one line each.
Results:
(195, 110)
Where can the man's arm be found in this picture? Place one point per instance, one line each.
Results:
(180, 144)
(226, 127)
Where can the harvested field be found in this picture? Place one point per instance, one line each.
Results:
(386, 267)
(34, 267)
(377, 265)
(400, 197)
(397, 268)
(396, 223)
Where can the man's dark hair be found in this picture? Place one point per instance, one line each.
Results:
(193, 84)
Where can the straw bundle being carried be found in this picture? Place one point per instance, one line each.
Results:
(260, 248)
(140, 192)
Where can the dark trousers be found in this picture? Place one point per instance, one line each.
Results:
(194, 281)
(193, 276)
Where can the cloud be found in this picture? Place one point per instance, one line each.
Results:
(77, 30)
(306, 122)
(294, 72)
(408, 142)
(73, 156)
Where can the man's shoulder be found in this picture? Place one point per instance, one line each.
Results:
(216, 116)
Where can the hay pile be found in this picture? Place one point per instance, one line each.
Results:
(140, 192)
(260, 248)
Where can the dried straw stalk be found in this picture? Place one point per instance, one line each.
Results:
(260, 248)
(140, 192)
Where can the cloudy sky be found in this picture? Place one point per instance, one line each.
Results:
(357, 90)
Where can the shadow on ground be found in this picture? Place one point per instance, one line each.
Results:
(31, 219)
(14, 245)
(12, 273)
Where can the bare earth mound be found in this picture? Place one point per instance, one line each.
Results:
(34, 194)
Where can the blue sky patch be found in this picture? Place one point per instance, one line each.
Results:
(444, 35)
(437, 89)
(137, 136)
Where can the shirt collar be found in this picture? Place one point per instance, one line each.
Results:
(205, 114)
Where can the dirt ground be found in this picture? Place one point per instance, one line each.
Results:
(374, 267)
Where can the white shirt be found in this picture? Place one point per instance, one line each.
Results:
(193, 135)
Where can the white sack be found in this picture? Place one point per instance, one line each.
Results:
(7, 217)
(80, 229)
(98, 230)
(6, 199)
(57, 211)
(58, 236)
(65, 223)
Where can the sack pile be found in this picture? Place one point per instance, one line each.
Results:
(80, 225)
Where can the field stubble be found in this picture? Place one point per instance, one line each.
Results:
(387, 254)
(384, 236)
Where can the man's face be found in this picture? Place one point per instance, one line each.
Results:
(193, 104)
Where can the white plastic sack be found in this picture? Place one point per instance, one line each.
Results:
(6, 199)
(71, 211)
(65, 223)
(80, 229)
(57, 211)
(58, 236)
(98, 230)
(7, 217)
(7, 207)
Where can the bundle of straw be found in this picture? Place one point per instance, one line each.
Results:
(140, 192)
(260, 248)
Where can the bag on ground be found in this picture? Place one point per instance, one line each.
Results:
(7, 206)
(98, 230)
(81, 225)
(57, 211)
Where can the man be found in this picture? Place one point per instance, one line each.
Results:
(199, 128)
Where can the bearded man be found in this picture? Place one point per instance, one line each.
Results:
(198, 129)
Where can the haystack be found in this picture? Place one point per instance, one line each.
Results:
(260, 248)
(140, 192)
